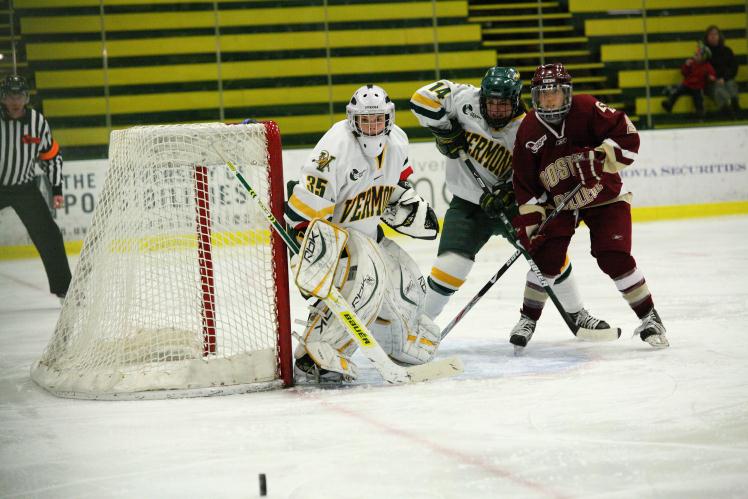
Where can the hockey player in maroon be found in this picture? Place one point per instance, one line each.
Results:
(566, 140)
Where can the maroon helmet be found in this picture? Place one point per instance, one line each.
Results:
(547, 78)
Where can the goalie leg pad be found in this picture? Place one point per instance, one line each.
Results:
(402, 329)
(362, 280)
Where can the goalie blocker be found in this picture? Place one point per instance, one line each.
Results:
(384, 287)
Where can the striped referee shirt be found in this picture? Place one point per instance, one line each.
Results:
(23, 142)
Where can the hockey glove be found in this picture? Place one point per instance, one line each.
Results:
(411, 215)
(526, 227)
(500, 200)
(449, 142)
(587, 166)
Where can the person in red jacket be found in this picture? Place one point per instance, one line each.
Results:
(564, 141)
(697, 71)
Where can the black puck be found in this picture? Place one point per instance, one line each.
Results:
(263, 485)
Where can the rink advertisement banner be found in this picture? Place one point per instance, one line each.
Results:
(675, 168)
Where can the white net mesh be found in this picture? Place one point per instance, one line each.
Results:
(175, 288)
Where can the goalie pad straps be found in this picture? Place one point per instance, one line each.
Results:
(411, 215)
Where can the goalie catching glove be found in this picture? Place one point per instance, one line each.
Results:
(451, 141)
(410, 214)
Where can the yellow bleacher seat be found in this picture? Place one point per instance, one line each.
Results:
(619, 5)
(658, 50)
(697, 23)
(662, 77)
(240, 17)
(256, 42)
(683, 105)
(265, 69)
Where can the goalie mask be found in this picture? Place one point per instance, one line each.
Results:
(551, 92)
(371, 115)
(499, 96)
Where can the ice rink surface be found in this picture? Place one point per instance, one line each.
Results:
(566, 419)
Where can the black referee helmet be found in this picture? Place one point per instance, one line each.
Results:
(14, 84)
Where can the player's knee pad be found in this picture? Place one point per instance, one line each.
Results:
(362, 279)
(615, 263)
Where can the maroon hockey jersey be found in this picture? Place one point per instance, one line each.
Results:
(543, 153)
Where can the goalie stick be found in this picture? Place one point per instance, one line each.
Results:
(354, 326)
(608, 334)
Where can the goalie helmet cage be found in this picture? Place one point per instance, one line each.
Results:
(181, 288)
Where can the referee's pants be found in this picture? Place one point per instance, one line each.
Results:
(27, 201)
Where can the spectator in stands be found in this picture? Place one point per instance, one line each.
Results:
(696, 72)
(724, 90)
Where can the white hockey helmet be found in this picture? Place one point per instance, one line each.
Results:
(371, 115)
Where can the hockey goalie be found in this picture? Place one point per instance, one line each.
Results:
(356, 176)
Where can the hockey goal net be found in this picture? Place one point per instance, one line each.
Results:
(181, 288)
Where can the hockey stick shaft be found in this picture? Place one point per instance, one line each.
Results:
(503, 268)
(356, 328)
(533, 266)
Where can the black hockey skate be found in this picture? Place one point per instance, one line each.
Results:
(652, 331)
(584, 319)
(522, 333)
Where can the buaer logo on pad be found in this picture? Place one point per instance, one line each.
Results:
(353, 326)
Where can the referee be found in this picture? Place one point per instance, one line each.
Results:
(25, 138)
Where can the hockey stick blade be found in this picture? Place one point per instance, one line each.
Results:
(436, 369)
(609, 334)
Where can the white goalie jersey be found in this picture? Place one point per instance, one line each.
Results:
(437, 104)
(339, 183)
